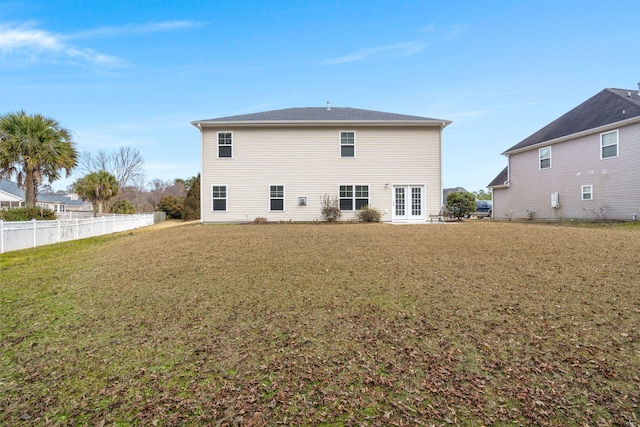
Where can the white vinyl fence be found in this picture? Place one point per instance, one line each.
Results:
(15, 235)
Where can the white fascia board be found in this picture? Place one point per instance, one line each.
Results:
(301, 123)
(10, 197)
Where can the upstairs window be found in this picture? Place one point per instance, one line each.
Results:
(276, 197)
(545, 158)
(609, 144)
(225, 144)
(587, 192)
(219, 196)
(347, 144)
(353, 197)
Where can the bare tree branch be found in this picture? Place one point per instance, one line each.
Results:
(126, 165)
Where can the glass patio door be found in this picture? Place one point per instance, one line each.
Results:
(408, 203)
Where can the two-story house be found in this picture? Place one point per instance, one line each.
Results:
(279, 164)
(584, 165)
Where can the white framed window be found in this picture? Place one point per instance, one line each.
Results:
(347, 144)
(587, 192)
(225, 145)
(416, 201)
(353, 197)
(609, 144)
(219, 198)
(276, 197)
(545, 157)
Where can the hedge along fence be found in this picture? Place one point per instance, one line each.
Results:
(16, 235)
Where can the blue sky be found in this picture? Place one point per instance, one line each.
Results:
(136, 73)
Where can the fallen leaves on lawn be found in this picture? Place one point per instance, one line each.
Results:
(336, 325)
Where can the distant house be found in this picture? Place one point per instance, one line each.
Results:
(12, 196)
(446, 191)
(279, 164)
(584, 165)
(64, 203)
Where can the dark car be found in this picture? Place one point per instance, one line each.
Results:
(484, 208)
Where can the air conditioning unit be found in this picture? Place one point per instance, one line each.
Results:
(555, 200)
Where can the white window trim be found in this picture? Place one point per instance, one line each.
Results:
(617, 144)
(582, 192)
(540, 158)
(340, 144)
(226, 197)
(354, 196)
(284, 197)
(218, 144)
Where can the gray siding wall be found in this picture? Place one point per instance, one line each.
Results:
(307, 162)
(574, 163)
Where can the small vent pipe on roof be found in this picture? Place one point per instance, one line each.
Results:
(329, 103)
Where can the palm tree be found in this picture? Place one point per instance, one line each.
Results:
(98, 187)
(34, 147)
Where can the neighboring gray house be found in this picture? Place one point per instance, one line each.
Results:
(584, 165)
(279, 164)
(446, 191)
(12, 196)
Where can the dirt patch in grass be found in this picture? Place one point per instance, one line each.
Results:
(463, 324)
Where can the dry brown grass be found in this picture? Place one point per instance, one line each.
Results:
(464, 324)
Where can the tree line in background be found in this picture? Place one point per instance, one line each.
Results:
(115, 182)
(483, 195)
(35, 149)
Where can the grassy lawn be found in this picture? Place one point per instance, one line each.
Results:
(478, 323)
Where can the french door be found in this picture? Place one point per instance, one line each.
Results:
(408, 203)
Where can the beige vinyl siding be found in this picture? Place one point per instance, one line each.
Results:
(306, 160)
(615, 180)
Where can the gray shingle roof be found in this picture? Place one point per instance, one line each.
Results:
(12, 188)
(604, 108)
(323, 114)
(500, 179)
(59, 198)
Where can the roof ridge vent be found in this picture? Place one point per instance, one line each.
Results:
(329, 103)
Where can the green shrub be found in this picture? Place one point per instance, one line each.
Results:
(191, 206)
(461, 204)
(330, 208)
(368, 214)
(172, 206)
(123, 207)
(27, 214)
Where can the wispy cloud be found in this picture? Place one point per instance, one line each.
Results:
(29, 41)
(442, 33)
(396, 50)
(110, 137)
(133, 29)
(16, 38)
(489, 110)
